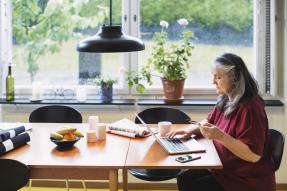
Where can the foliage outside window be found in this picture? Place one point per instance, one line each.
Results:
(45, 34)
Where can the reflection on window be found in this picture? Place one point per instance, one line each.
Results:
(219, 26)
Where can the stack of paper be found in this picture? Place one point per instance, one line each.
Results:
(126, 127)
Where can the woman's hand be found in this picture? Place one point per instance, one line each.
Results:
(186, 133)
(210, 131)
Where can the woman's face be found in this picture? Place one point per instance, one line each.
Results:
(221, 81)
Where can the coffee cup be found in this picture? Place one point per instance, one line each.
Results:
(164, 127)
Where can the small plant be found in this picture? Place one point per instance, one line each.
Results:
(104, 82)
(170, 62)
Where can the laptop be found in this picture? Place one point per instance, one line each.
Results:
(175, 145)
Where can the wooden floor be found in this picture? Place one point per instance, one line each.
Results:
(79, 189)
(75, 189)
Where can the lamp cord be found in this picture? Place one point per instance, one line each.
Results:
(111, 5)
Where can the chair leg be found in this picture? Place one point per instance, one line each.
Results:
(125, 180)
(67, 185)
(30, 184)
(84, 185)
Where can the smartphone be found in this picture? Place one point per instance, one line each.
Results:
(187, 158)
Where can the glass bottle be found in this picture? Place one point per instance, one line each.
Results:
(10, 91)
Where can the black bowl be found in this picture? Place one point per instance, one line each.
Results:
(64, 144)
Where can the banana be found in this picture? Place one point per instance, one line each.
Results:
(78, 134)
(56, 136)
(67, 130)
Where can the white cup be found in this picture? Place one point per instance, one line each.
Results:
(164, 127)
(93, 121)
(81, 95)
(101, 131)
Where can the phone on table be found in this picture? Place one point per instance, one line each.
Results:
(187, 158)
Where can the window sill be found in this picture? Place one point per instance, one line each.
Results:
(130, 102)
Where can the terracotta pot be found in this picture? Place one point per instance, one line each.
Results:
(173, 90)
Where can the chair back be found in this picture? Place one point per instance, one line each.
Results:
(276, 146)
(55, 114)
(153, 116)
(157, 114)
(13, 174)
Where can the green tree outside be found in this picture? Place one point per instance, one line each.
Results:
(40, 26)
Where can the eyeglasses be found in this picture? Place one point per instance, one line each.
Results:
(60, 93)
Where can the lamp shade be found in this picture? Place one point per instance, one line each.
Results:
(110, 39)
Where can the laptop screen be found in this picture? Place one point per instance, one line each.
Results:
(145, 125)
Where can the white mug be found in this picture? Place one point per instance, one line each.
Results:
(164, 127)
(101, 131)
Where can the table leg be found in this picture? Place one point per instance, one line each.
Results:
(113, 177)
(125, 180)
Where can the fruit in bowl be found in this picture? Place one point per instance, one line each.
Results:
(66, 138)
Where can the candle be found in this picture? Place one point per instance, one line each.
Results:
(91, 136)
(93, 121)
(101, 131)
(36, 91)
(81, 95)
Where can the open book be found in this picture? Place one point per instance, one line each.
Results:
(126, 127)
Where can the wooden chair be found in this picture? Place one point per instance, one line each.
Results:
(153, 116)
(13, 175)
(276, 146)
(55, 114)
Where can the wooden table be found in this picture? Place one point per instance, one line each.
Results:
(148, 154)
(103, 159)
(89, 161)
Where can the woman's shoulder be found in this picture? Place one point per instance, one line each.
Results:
(254, 104)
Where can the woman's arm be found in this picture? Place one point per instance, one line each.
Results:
(194, 130)
(237, 147)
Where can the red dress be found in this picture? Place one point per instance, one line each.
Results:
(248, 124)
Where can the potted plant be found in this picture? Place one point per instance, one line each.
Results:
(106, 87)
(170, 61)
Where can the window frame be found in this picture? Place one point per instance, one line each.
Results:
(130, 11)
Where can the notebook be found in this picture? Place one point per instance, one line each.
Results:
(175, 145)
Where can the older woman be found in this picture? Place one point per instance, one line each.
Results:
(238, 127)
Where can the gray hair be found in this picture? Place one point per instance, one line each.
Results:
(231, 102)
(244, 85)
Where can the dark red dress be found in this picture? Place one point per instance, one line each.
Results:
(248, 124)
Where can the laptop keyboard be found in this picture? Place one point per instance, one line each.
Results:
(174, 144)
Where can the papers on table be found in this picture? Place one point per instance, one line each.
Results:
(126, 127)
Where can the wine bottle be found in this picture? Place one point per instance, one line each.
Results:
(10, 91)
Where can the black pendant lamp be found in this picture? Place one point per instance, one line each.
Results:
(110, 39)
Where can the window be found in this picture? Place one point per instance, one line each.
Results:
(45, 34)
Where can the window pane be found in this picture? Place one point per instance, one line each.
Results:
(45, 36)
(218, 25)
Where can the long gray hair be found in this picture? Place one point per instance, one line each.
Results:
(244, 85)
